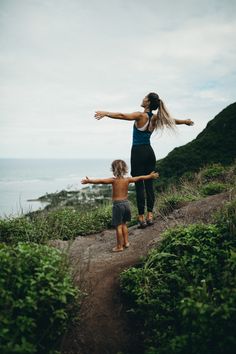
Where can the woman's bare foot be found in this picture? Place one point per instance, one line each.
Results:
(117, 249)
(141, 218)
(149, 215)
(149, 219)
(126, 245)
(141, 222)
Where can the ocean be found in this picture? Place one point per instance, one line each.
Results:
(24, 179)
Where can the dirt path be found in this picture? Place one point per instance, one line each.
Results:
(104, 328)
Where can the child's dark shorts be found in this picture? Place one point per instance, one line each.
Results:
(120, 212)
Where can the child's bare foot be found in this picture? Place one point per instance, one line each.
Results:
(126, 245)
(117, 249)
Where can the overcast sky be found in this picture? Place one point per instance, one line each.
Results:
(63, 59)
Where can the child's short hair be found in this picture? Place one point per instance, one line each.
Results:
(119, 168)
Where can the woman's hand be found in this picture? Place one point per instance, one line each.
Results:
(85, 180)
(100, 114)
(189, 122)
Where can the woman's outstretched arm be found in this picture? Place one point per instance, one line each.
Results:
(184, 121)
(117, 115)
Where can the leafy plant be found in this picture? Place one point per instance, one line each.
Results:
(213, 188)
(183, 294)
(36, 294)
(213, 172)
(17, 230)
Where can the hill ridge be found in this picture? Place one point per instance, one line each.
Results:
(215, 144)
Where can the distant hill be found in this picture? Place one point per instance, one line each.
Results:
(215, 144)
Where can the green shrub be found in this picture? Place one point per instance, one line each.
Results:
(183, 294)
(21, 229)
(213, 188)
(64, 223)
(225, 219)
(213, 172)
(67, 223)
(36, 293)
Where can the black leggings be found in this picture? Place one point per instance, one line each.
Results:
(143, 161)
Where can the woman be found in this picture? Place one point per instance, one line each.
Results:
(143, 158)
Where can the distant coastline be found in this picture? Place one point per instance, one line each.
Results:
(24, 181)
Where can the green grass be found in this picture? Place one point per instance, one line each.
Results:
(210, 180)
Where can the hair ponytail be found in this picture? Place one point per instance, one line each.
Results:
(163, 118)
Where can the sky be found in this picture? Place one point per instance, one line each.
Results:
(61, 60)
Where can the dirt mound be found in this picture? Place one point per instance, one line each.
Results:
(104, 328)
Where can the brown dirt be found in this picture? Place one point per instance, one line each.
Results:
(103, 327)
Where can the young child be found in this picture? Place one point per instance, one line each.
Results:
(121, 209)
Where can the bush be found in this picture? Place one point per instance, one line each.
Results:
(67, 223)
(213, 172)
(35, 294)
(63, 223)
(184, 293)
(213, 188)
(225, 219)
(21, 229)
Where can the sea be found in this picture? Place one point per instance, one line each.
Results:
(22, 180)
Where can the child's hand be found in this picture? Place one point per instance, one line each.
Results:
(189, 122)
(154, 174)
(99, 114)
(85, 180)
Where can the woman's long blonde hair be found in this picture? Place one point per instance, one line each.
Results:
(163, 118)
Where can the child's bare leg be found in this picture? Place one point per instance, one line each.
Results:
(119, 239)
(125, 235)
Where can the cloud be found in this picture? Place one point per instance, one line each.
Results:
(62, 60)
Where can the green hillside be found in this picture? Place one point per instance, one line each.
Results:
(215, 144)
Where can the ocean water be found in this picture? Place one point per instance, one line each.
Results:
(24, 179)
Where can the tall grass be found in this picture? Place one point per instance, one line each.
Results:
(209, 180)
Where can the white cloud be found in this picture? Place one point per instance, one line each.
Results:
(62, 60)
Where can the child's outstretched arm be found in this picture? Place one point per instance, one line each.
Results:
(184, 121)
(88, 180)
(152, 175)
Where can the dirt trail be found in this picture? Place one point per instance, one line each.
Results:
(104, 328)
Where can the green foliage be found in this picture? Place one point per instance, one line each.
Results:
(19, 230)
(36, 294)
(213, 188)
(62, 223)
(183, 294)
(67, 223)
(225, 220)
(215, 171)
(215, 144)
(168, 203)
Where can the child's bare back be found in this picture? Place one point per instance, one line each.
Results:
(120, 188)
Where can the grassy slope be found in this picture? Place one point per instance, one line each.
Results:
(215, 144)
